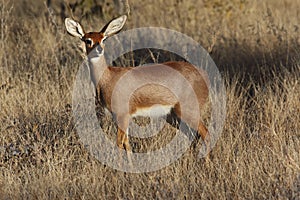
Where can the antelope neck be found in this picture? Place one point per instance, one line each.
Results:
(97, 65)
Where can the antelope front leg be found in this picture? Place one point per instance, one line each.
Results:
(123, 143)
(122, 137)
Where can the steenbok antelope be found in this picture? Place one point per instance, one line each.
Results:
(149, 99)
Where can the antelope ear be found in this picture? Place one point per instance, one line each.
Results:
(114, 26)
(74, 28)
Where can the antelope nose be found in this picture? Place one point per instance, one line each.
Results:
(99, 49)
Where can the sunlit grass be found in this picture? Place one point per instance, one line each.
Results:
(254, 44)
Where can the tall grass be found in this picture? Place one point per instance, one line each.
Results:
(256, 46)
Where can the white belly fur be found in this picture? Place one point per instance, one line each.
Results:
(153, 111)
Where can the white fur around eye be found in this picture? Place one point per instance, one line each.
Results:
(89, 42)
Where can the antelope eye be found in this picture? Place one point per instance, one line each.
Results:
(89, 42)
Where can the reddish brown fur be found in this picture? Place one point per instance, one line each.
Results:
(148, 95)
(96, 37)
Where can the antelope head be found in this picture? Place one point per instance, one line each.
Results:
(95, 39)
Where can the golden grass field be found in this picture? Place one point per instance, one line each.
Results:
(256, 46)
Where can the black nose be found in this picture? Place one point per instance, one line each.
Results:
(95, 52)
(99, 49)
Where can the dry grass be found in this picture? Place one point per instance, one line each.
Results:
(255, 44)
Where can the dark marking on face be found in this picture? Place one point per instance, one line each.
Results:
(91, 40)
